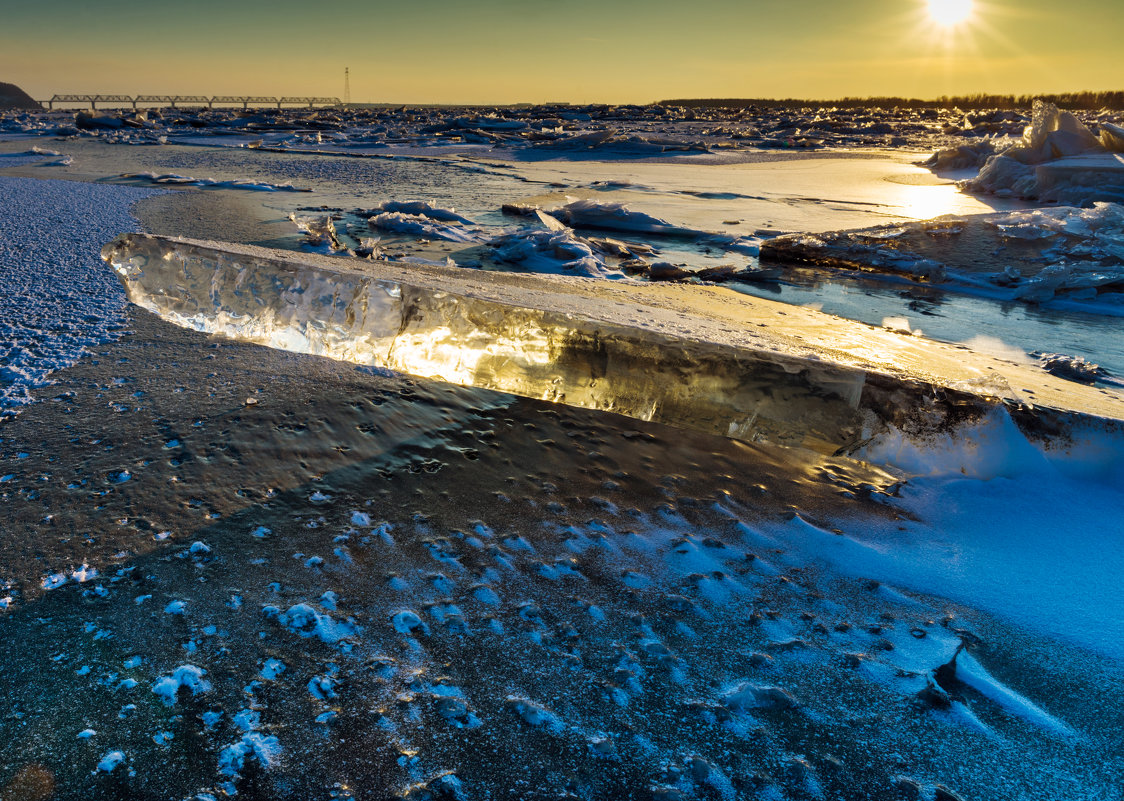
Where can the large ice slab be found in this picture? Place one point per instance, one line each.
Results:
(693, 356)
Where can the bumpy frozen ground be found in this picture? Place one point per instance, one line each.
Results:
(57, 300)
(360, 586)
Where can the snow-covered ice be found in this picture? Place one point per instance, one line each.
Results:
(57, 302)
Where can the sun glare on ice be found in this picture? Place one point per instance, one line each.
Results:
(950, 12)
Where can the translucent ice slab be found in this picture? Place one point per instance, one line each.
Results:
(691, 356)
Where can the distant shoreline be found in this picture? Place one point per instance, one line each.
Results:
(1113, 101)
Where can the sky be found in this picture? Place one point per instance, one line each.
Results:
(579, 51)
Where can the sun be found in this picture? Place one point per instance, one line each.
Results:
(950, 12)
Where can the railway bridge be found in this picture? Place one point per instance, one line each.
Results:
(188, 101)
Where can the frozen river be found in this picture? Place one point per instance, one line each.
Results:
(232, 570)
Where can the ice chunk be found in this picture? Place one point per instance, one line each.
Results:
(719, 364)
(419, 208)
(420, 226)
(1053, 134)
(1004, 176)
(558, 251)
(615, 217)
(319, 233)
(1057, 159)
(972, 673)
(1112, 137)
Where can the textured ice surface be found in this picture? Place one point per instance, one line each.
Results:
(57, 297)
(421, 225)
(590, 596)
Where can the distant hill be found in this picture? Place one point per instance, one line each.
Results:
(11, 96)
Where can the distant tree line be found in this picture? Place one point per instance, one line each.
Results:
(1069, 100)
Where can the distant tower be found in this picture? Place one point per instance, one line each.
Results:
(346, 86)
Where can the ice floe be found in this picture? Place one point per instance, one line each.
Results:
(420, 225)
(557, 251)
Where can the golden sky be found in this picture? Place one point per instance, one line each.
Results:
(505, 51)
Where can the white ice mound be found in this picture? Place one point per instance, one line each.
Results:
(1057, 160)
(419, 208)
(421, 226)
(961, 157)
(1053, 134)
(556, 252)
(615, 217)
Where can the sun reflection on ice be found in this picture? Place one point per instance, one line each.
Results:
(927, 202)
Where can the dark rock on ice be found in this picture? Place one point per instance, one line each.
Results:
(87, 122)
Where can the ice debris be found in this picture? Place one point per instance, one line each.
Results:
(418, 208)
(421, 226)
(266, 749)
(110, 761)
(557, 252)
